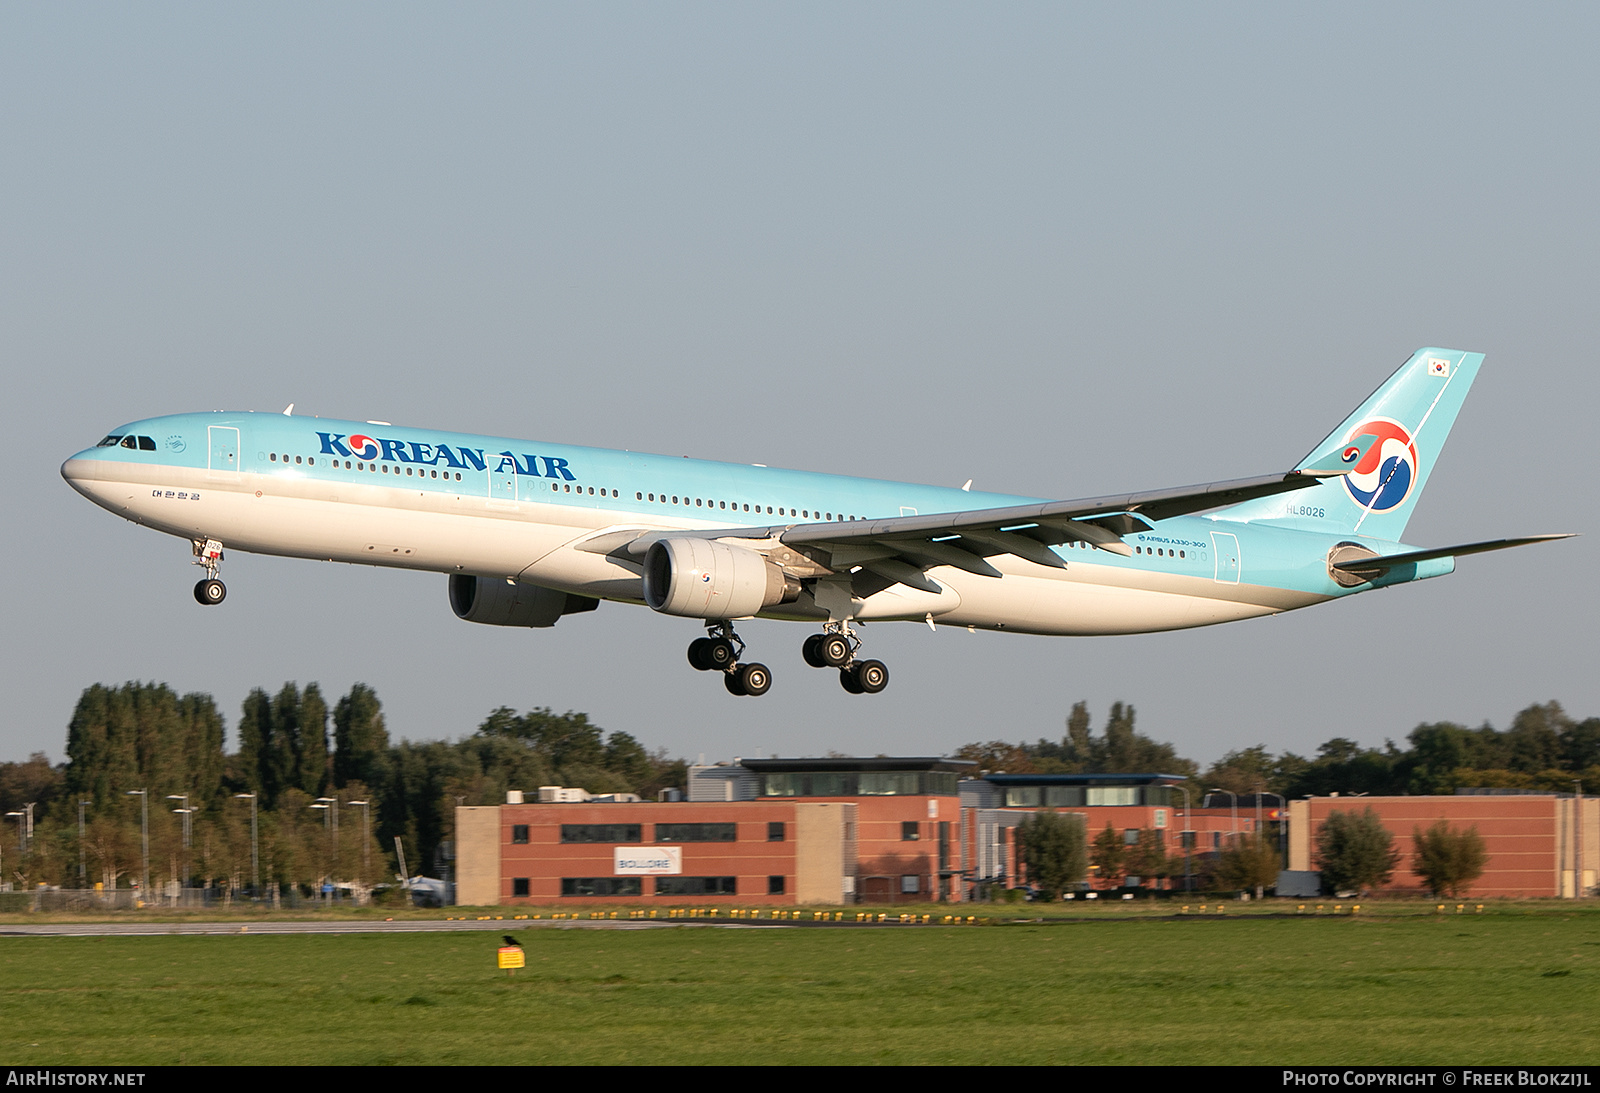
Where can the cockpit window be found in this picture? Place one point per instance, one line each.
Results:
(130, 442)
(147, 444)
(108, 442)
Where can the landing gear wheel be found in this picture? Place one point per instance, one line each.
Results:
(697, 654)
(871, 676)
(834, 649)
(210, 591)
(734, 684)
(719, 653)
(754, 679)
(812, 651)
(850, 679)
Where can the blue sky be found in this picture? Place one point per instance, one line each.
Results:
(1057, 249)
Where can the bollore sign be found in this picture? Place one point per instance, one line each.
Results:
(646, 861)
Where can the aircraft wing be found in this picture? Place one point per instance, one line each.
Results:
(898, 549)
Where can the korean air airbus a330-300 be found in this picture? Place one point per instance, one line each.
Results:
(529, 531)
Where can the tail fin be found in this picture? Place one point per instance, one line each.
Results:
(1410, 416)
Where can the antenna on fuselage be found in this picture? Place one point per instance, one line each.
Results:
(968, 487)
(288, 411)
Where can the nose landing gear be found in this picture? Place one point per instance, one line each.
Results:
(719, 651)
(208, 555)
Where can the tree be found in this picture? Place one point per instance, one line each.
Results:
(1108, 855)
(313, 741)
(1447, 860)
(360, 739)
(1535, 736)
(1252, 861)
(142, 735)
(1248, 770)
(1355, 852)
(1052, 846)
(1147, 858)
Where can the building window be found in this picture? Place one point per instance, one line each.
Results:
(775, 832)
(909, 832)
(696, 833)
(519, 833)
(910, 884)
(601, 886)
(774, 886)
(889, 783)
(600, 833)
(696, 886)
(519, 886)
(1130, 836)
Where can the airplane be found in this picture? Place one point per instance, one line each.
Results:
(531, 531)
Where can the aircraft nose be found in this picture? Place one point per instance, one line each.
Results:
(79, 471)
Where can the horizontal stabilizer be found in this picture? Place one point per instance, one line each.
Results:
(1374, 566)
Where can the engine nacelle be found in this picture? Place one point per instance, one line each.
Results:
(496, 603)
(705, 579)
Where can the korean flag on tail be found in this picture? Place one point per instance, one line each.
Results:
(1439, 366)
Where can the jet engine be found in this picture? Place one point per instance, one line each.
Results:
(705, 579)
(493, 601)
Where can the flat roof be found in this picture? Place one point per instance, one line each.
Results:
(1003, 779)
(845, 764)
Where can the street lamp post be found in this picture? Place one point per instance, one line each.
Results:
(1283, 808)
(366, 837)
(1577, 842)
(22, 838)
(1188, 840)
(185, 811)
(332, 804)
(255, 857)
(144, 839)
(83, 873)
(329, 809)
(1233, 806)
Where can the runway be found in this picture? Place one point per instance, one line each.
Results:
(399, 926)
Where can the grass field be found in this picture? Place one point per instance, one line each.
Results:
(1513, 986)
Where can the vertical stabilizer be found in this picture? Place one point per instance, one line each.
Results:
(1408, 418)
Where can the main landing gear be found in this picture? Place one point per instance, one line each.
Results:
(208, 555)
(836, 647)
(719, 651)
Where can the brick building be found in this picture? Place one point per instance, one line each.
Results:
(763, 831)
(1534, 840)
(887, 830)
